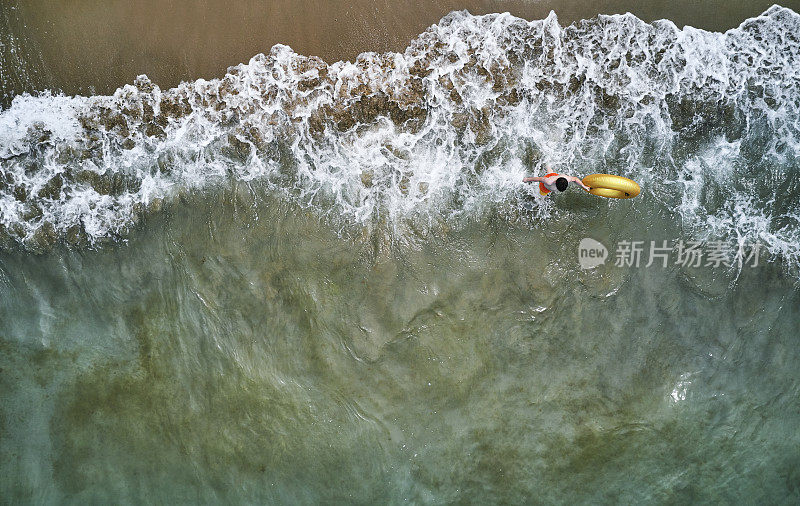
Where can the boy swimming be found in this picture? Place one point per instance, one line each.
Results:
(554, 181)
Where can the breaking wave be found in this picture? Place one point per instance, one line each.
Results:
(708, 123)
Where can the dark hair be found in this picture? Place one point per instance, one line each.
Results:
(561, 184)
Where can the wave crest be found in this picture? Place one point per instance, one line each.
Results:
(446, 129)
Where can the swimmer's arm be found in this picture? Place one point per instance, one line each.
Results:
(536, 179)
(579, 182)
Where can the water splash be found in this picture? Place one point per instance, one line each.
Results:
(708, 122)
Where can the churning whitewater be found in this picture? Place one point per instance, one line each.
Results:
(708, 123)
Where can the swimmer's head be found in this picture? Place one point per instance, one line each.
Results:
(561, 184)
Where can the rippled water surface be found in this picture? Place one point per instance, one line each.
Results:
(309, 283)
(237, 349)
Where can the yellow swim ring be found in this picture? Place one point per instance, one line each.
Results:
(613, 187)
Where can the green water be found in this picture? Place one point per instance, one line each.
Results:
(238, 349)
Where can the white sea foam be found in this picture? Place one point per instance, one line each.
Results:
(446, 129)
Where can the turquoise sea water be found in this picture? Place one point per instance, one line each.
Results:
(304, 283)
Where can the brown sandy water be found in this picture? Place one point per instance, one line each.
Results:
(95, 46)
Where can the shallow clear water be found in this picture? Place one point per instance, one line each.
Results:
(304, 284)
(236, 349)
